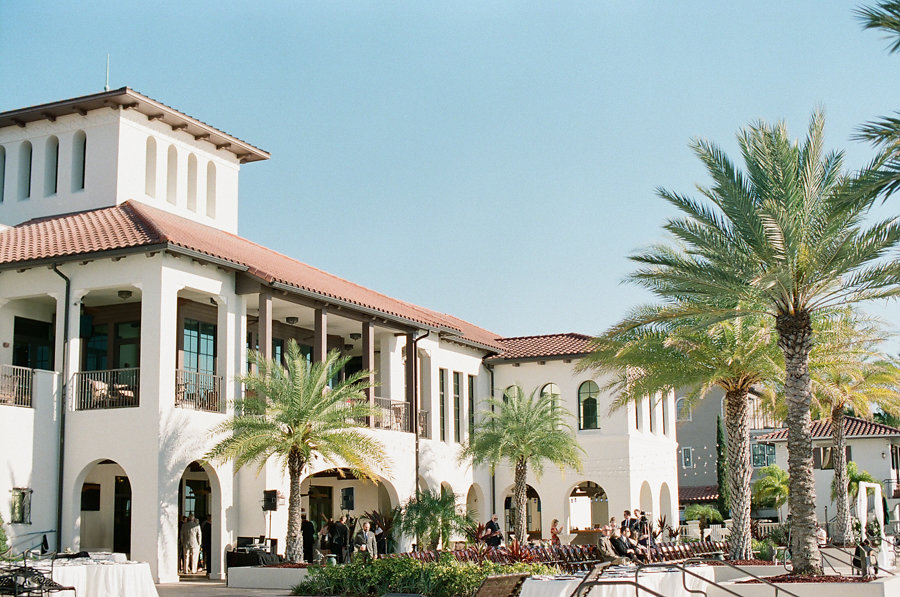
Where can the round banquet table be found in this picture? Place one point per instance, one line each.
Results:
(666, 581)
(104, 578)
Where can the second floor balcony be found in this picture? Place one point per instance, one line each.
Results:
(16, 385)
(198, 391)
(110, 388)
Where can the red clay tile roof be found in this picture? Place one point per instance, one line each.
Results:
(706, 493)
(549, 345)
(133, 225)
(853, 427)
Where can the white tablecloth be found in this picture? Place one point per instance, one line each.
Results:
(104, 579)
(666, 581)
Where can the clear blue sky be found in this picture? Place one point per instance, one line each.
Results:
(493, 160)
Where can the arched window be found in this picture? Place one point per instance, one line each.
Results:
(150, 168)
(510, 392)
(79, 160)
(211, 190)
(192, 183)
(683, 410)
(587, 405)
(2, 171)
(172, 176)
(25, 170)
(51, 166)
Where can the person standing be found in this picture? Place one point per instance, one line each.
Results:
(340, 539)
(308, 531)
(554, 532)
(365, 542)
(206, 543)
(492, 535)
(191, 538)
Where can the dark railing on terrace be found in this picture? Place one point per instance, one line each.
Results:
(391, 414)
(423, 424)
(200, 391)
(15, 385)
(112, 388)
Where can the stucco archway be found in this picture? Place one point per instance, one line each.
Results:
(533, 515)
(588, 506)
(665, 504)
(475, 504)
(646, 499)
(103, 503)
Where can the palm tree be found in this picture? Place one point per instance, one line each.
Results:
(785, 238)
(433, 517)
(855, 378)
(854, 478)
(290, 413)
(524, 430)
(773, 487)
(705, 514)
(740, 356)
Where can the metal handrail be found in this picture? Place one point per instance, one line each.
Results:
(580, 591)
(16, 385)
(684, 574)
(742, 571)
(850, 563)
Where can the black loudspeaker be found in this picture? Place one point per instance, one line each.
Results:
(347, 498)
(270, 499)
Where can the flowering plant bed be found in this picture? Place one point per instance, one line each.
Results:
(743, 563)
(799, 578)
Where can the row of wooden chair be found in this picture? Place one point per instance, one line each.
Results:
(668, 552)
(571, 558)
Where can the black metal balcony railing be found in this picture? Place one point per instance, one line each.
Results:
(200, 391)
(112, 388)
(15, 385)
(423, 424)
(392, 414)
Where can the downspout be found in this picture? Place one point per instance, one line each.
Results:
(62, 410)
(490, 368)
(415, 405)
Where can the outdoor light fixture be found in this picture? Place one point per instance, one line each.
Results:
(355, 336)
(348, 347)
(291, 320)
(125, 294)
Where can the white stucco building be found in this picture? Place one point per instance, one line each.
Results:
(128, 304)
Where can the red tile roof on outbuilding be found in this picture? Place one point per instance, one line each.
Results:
(853, 427)
(705, 493)
(134, 225)
(546, 346)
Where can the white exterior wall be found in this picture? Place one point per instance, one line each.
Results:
(102, 130)
(617, 456)
(865, 452)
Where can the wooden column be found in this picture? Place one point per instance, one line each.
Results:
(411, 402)
(320, 336)
(368, 361)
(265, 324)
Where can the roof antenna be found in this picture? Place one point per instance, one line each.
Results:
(106, 87)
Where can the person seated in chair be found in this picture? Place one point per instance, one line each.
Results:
(607, 551)
(619, 544)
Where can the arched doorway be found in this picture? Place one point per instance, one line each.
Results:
(105, 510)
(665, 503)
(196, 507)
(588, 507)
(475, 505)
(532, 512)
(647, 500)
(330, 493)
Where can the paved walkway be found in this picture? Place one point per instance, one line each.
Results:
(212, 588)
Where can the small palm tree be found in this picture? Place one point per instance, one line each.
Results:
(291, 414)
(433, 517)
(524, 430)
(739, 356)
(854, 478)
(854, 376)
(704, 513)
(772, 488)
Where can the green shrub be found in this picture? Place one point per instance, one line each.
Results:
(3, 545)
(445, 578)
(779, 535)
(764, 549)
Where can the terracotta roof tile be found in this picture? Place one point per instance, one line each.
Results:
(853, 427)
(549, 345)
(705, 493)
(134, 224)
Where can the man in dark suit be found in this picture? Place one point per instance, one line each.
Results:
(492, 535)
(340, 539)
(308, 530)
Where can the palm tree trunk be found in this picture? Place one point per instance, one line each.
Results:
(520, 490)
(795, 341)
(839, 459)
(737, 423)
(293, 551)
